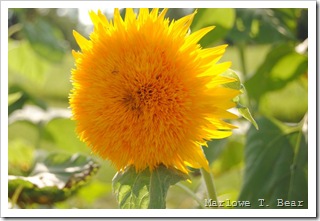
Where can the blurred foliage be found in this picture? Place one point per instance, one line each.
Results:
(268, 49)
(53, 180)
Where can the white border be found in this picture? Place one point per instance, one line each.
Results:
(310, 212)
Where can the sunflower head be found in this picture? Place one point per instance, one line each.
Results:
(145, 93)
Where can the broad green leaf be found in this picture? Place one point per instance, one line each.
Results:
(54, 179)
(222, 18)
(60, 134)
(276, 165)
(277, 70)
(45, 39)
(34, 75)
(288, 104)
(24, 65)
(145, 189)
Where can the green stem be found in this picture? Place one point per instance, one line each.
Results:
(15, 197)
(242, 59)
(192, 194)
(208, 180)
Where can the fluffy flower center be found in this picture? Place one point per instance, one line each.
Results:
(157, 95)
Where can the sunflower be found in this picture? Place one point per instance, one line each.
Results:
(145, 93)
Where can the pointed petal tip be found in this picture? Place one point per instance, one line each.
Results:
(81, 41)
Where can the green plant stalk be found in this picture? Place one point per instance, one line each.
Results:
(242, 59)
(192, 194)
(208, 180)
(15, 197)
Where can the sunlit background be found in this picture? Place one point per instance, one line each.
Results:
(268, 49)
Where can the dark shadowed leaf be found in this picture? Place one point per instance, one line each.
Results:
(276, 165)
(260, 26)
(145, 189)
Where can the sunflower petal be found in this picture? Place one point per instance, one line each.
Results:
(83, 43)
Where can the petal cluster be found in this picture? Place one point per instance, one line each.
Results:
(145, 93)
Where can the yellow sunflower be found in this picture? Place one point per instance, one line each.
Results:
(145, 93)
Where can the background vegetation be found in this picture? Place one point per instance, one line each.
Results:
(50, 168)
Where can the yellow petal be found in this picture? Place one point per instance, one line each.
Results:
(94, 18)
(196, 36)
(83, 43)
(75, 54)
(103, 18)
(117, 19)
(183, 24)
(217, 69)
(163, 13)
(213, 51)
(218, 80)
(130, 15)
(154, 13)
(143, 14)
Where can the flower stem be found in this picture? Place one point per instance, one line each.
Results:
(192, 194)
(208, 180)
(242, 58)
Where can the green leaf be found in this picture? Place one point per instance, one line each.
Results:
(222, 18)
(243, 110)
(34, 74)
(214, 149)
(260, 26)
(281, 66)
(231, 157)
(276, 165)
(225, 153)
(288, 104)
(18, 97)
(54, 179)
(59, 133)
(45, 39)
(21, 156)
(145, 189)
(235, 84)
(24, 65)
(14, 97)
